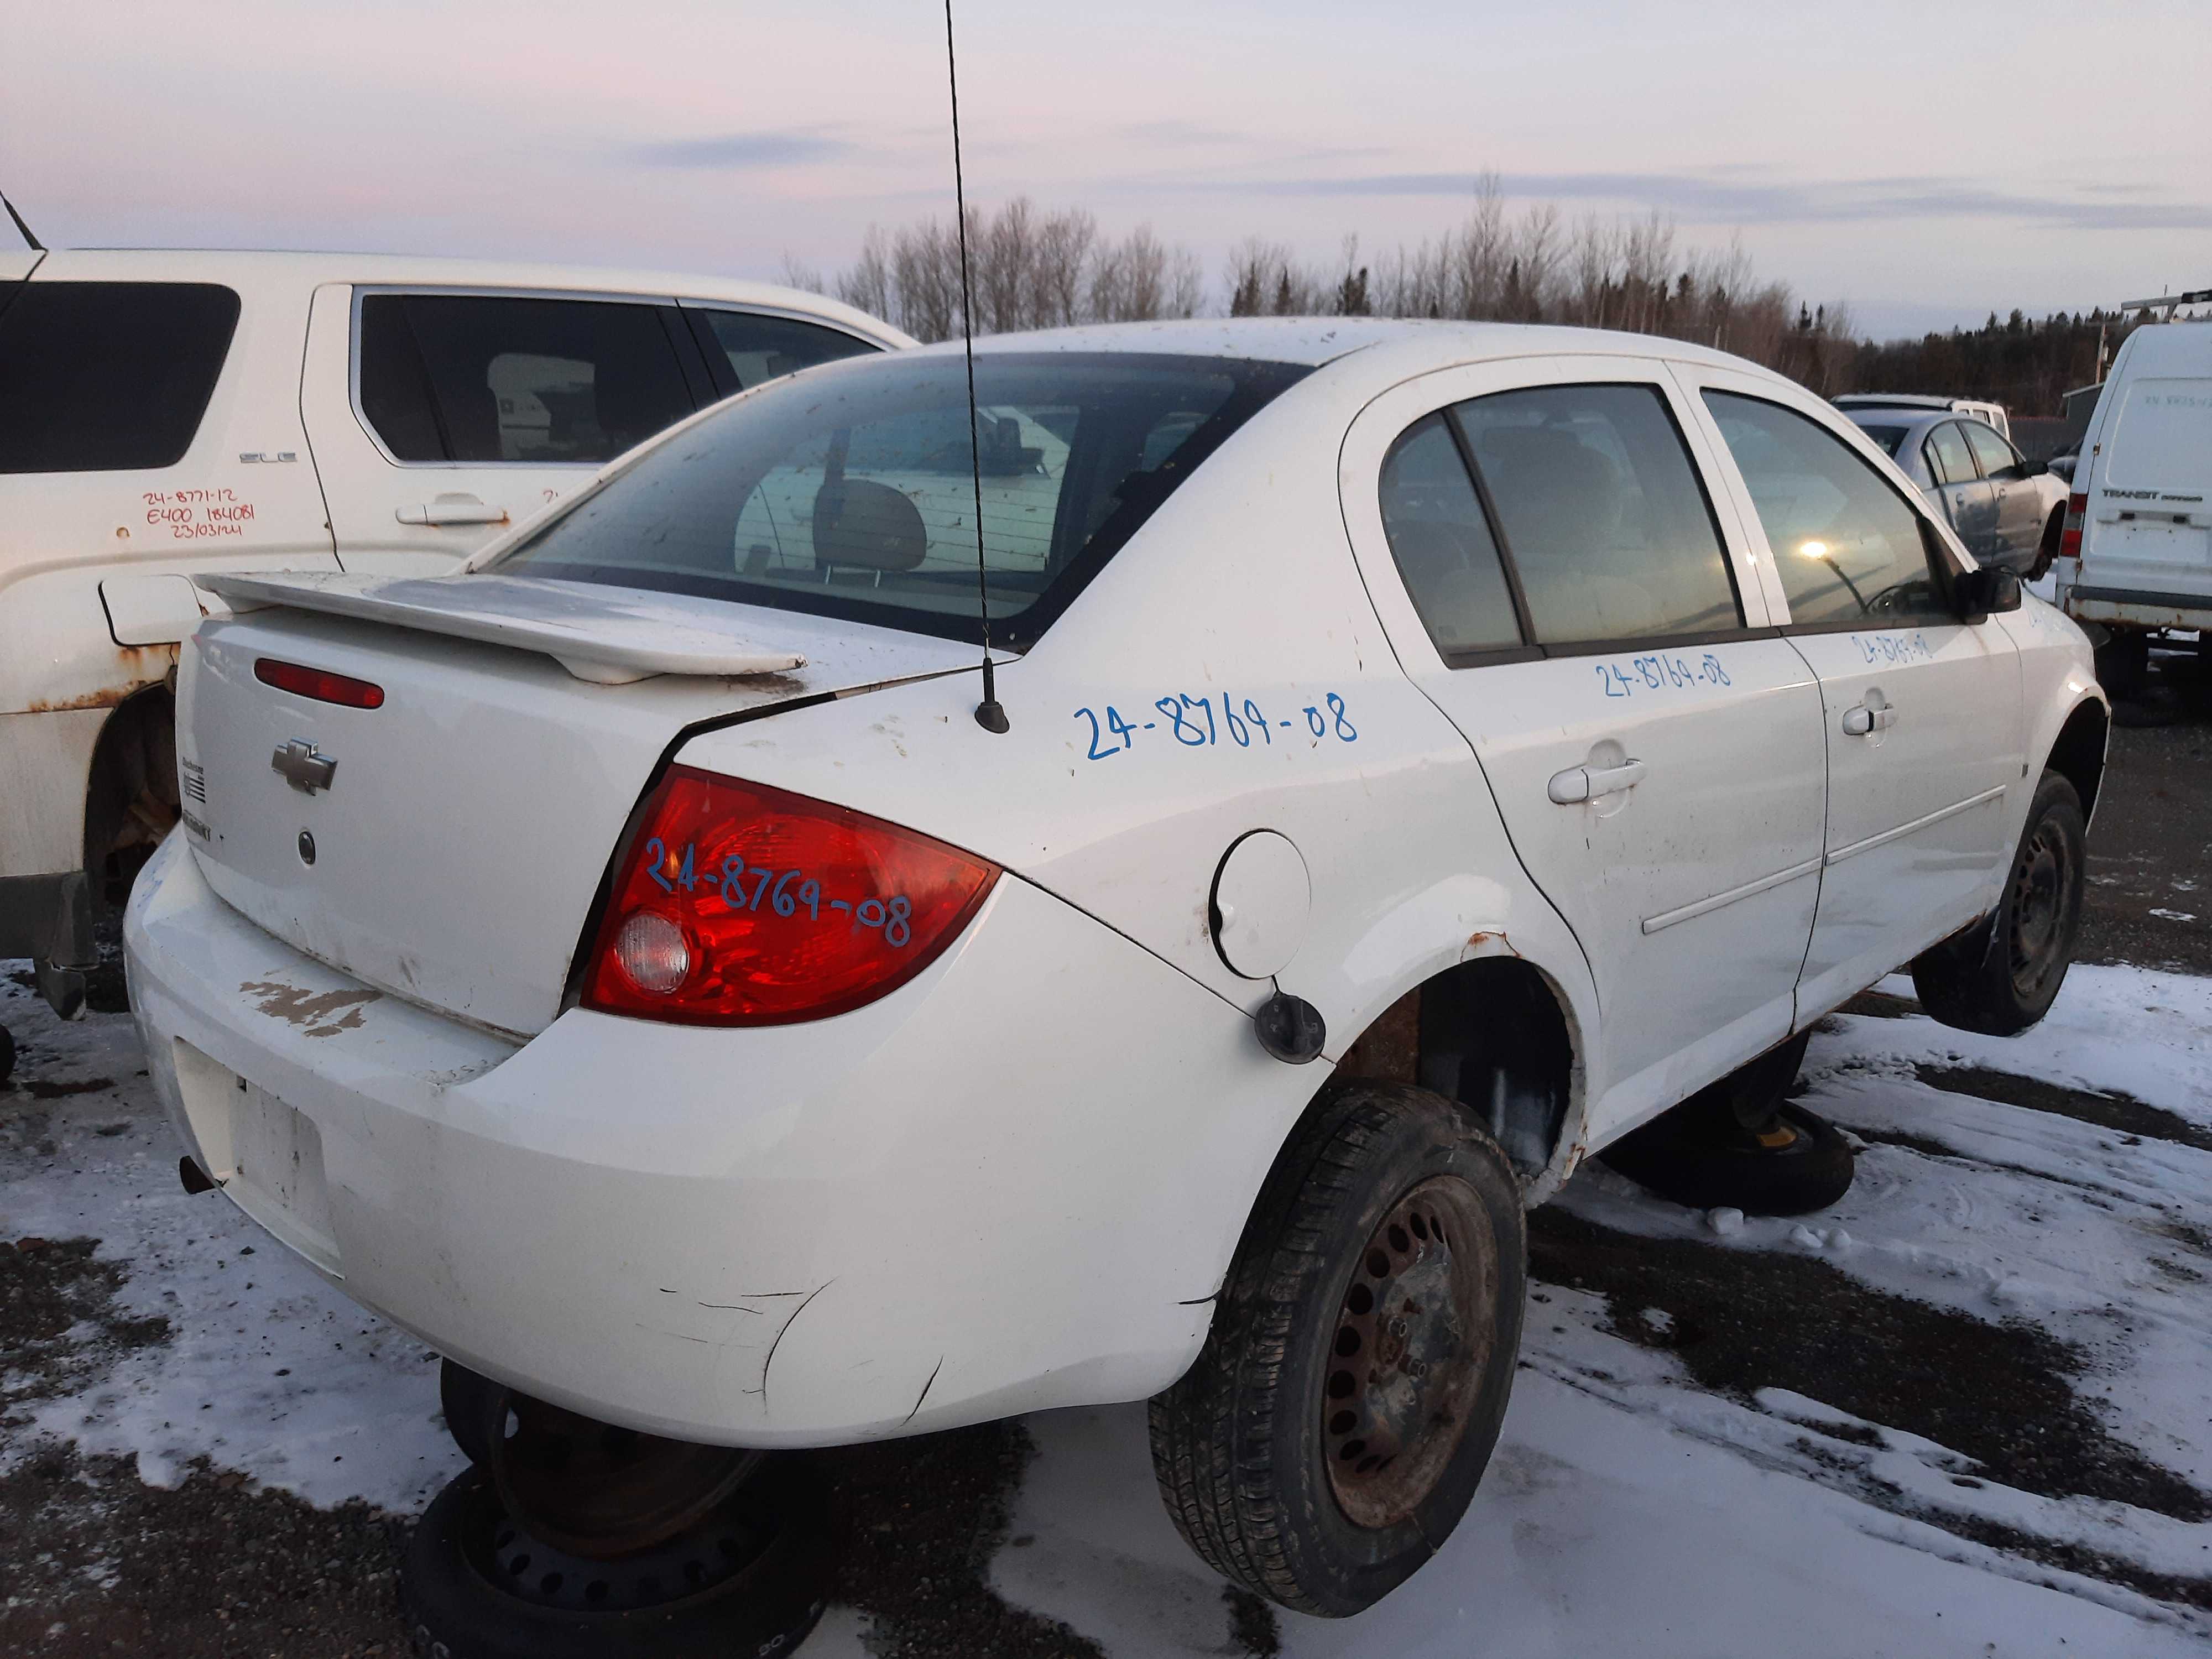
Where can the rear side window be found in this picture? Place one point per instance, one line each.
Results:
(1602, 514)
(1948, 457)
(483, 378)
(108, 377)
(1443, 545)
(1995, 454)
(759, 348)
(1847, 547)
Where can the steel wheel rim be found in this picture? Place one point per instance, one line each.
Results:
(2040, 885)
(1408, 1353)
(599, 1491)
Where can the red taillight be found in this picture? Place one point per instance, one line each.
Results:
(318, 683)
(2069, 535)
(742, 905)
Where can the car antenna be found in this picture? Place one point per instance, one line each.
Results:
(36, 246)
(988, 714)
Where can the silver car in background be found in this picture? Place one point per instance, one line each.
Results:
(2007, 509)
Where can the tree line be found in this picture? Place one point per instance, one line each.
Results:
(1036, 267)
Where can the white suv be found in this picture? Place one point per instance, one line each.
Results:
(164, 414)
(643, 967)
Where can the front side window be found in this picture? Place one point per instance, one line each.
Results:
(760, 349)
(1602, 514)
(108, 377)
(1443, 545)
(1846, 545)
(850, 492)
(1948, 457)
(1998, 458)
(485, 378)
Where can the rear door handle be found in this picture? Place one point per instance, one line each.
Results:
(1581, 783)
(451, 509)
(1861, 719)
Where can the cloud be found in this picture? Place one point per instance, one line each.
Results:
(743, 149)
(1712, 199)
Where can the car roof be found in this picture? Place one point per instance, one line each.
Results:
(1911, 420)
(306, 269)
(1905, 400)
(1315, 341)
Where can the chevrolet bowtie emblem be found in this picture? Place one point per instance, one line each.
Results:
(303, 769)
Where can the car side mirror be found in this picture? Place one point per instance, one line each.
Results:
(2029, 468)
(1980, 594)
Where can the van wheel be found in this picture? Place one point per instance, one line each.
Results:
(2000, 976)
(1334, 1427)
(2124, 665)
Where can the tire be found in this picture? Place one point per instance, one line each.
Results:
(2124, 665)
(472, 1587)
(475, 1408)
(2001, 975)
(2049, 549)
(1262, 1450)
(1797, 1163)
(6, 1054)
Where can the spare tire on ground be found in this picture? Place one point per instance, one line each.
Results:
(748, 1582)
(1738, 1142)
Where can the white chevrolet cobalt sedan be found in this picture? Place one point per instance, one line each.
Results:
(632, 966)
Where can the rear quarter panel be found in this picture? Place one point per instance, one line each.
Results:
(1242, 588)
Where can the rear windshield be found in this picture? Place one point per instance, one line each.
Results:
(848, 490)
(1888, 436)
(101, 377)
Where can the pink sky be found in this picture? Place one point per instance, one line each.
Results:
(1926, 162)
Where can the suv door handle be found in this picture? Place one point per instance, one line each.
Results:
(1580, 783)
(1861, 719)
(451, 509)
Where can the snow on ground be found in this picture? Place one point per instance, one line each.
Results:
(1627, 1510)
(268, 1371)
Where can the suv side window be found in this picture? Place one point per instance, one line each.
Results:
(485, 378)
(1999, 459)
(108, 377)
(1847, 546)
(1948, 457)
(1443, 545)
(1601, 514)
(758, 348)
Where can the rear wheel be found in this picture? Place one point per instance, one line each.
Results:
(2123, 664)
(2045, 553)
(1334, 1427)
(2002, 975)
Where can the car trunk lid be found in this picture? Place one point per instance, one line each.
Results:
(451, 852)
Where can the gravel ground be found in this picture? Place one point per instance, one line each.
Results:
(95, 1560)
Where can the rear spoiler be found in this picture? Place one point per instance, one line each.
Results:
(611, 635)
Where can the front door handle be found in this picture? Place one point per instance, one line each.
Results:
(1580, 783)
(452, 508)
(1862, 719)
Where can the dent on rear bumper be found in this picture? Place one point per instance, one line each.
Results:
(1014, 1184)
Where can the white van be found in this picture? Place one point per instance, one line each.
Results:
(164, 414)
(2136, 553)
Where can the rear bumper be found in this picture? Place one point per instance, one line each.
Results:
(1014, 1183)
(2132, 608)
